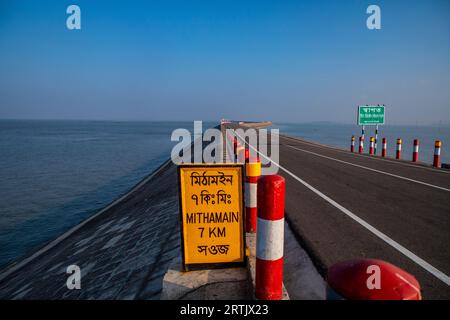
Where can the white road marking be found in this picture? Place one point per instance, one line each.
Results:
(425, 265)
(370, 169)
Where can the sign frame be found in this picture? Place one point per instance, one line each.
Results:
(358, 119)
(213, 265)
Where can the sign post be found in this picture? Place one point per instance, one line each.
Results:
(371, 115)
(212, 215)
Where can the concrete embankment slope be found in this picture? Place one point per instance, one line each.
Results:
(345, 206)
(123, 251)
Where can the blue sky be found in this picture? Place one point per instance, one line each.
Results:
(290, 61)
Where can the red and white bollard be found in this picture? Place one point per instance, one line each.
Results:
(240, 153)
(270, 238)
(232, 142)
(235, 145)
(415, 155)
(370, 279)
(384, 149)
(361, 145)
(252, 174)
(372, 146)
(352, 146)
(398, 153)
(437, 154)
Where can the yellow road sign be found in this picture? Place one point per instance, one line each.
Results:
(212, 214)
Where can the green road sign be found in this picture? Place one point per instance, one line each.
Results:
(368, 115)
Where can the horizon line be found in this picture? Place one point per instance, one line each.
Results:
(444, 124)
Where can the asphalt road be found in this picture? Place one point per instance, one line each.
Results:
(410, 204)
(343, 205)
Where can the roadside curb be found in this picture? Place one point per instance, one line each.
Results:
(210, 284)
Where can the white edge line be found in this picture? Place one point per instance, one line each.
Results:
(425, 265)
(370, 169)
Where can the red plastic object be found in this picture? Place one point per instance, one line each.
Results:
(350, 280)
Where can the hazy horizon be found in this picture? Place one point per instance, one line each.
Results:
(283, 61)
(275, 123)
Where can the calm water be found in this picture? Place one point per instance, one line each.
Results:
(339, 135)
(54, 174)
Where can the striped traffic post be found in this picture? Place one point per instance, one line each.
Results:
(247, 155)
(376, 139)
(398, 154)
(240, 153)
(252, 174)
(384, 149)
(361, 145)
(437, 154)
(372, 146)
(352, 145)
(270, 238)
(415, 155)
(235, 142)
(232, 141)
